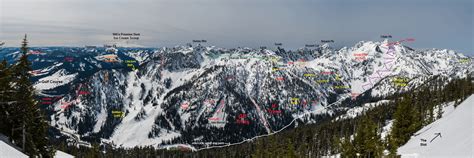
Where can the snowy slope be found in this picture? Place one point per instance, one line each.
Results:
(59, 78)
(8, 151)
(60, 154)
(456, 138)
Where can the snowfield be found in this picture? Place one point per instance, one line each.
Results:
(57, 79)
(60, 154)
(8, 151)
(456, 137)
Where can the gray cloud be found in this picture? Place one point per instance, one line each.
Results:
(230, 23)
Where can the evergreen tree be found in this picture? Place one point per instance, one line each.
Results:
(258, 150)
(406, 123)
(290, 150)
(347, 149)
(31, 124)
(6, 90)
(428, 115)
(439, 113)
(367, 141)
(273, 147)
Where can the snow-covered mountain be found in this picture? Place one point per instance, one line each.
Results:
(207, 96)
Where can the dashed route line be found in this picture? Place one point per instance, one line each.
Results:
(391, 50)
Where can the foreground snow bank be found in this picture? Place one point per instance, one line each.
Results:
(60, 154)
(8, 151)
(450, 136)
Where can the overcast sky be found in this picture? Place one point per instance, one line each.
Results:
(232, 23)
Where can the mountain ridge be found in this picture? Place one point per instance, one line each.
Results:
(151, 100)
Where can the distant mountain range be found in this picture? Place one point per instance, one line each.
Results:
(206, 96)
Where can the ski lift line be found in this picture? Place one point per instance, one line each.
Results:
(275, 132)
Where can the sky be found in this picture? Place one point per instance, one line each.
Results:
(237, 23)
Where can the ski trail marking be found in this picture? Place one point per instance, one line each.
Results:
(264, 120)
